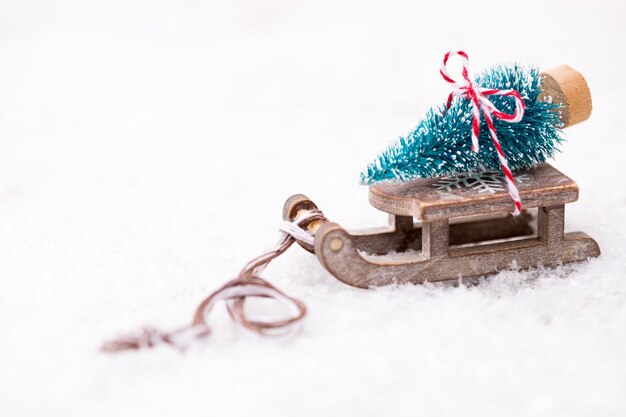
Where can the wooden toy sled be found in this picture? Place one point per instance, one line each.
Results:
(444, 229)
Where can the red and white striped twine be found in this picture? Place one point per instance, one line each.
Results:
(478, 96)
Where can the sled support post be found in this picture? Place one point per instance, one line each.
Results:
(551, 224)
(401, 223)
(435, 238)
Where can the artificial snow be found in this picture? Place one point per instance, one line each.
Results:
(147, 149)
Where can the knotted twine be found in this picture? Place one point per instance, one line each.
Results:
(478, 97)
(235, 293)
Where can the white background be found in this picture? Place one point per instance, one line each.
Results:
(146, 149)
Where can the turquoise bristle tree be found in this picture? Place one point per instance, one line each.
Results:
(441, 143)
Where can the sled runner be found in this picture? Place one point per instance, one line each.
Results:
(453, 228)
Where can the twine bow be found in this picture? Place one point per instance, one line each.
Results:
(480, 102)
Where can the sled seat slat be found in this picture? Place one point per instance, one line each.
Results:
(426, 200)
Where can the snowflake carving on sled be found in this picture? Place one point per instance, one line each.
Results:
(484, 182)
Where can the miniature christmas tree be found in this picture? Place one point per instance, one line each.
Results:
(441, 143)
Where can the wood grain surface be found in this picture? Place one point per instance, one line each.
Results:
(421, 199)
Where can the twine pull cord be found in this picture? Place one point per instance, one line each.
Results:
(235, 293)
